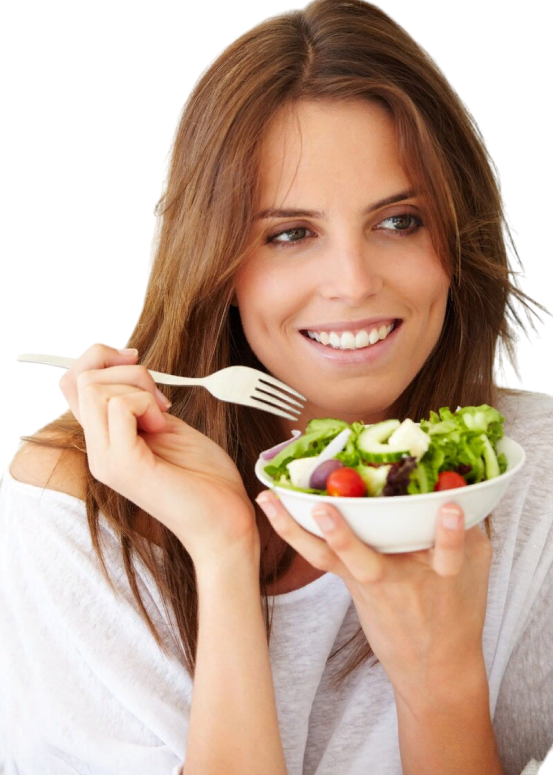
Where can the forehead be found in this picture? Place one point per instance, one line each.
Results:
(318, 147)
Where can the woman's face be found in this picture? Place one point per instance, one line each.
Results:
(340, 259)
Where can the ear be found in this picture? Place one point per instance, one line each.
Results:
(234, 300)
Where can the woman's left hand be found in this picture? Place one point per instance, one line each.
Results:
(422, 612)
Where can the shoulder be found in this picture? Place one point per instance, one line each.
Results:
(61, 470)
(64, 470)
(525, 399)
(529, 421)
(526, 412)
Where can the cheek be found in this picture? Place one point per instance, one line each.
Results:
(439, 289)
(253, 280)
(426, 284)
(264, 298)
(266, 293)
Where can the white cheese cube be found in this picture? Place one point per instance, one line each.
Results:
(409, 436)
(298, 470)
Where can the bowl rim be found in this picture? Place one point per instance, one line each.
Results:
(263, 477)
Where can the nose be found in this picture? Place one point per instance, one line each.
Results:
(351, 273)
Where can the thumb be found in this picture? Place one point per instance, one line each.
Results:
(449, 551)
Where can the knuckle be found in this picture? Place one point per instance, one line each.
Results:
(98, 350)
(117, 402)
(142, 377)
(148, 381)
(339, 542)
(64, 382)
(83, 379)
(100, 355)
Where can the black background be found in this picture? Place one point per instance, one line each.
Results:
(91, 105)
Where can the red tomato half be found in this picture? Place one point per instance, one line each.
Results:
(449, 480)
(346, 483)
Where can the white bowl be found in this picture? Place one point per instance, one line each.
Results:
(403, 523)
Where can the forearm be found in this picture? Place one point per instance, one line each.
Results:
(454, 736)
(233, 720)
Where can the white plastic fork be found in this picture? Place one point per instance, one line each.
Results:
(237, 384)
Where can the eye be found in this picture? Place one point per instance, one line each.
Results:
(406, 217)
(274, 239)
(290, 236)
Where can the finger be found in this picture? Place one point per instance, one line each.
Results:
(137, 376)
(341, 551)
(94, 400)
(449, 549)
(98, 356)
(315, 550)
(125, 412)
(366, 565)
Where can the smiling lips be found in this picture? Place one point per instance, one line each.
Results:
(347, 340)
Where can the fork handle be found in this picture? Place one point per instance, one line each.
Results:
(50, 360)
(66, 363)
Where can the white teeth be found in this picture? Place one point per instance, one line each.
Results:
(375, 335)
(349, 341)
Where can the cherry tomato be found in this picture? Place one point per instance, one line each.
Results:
(449, 480)
(346, 483)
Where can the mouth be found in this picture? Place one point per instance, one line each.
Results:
(344, 347)
(396, 323)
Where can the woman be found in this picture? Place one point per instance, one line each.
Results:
(157, 620)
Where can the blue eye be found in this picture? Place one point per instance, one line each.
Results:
(299, 234)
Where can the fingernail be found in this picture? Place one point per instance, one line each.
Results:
(324, 519)
(267, 506)
(163, 398)
(451, 518)
(128, 351)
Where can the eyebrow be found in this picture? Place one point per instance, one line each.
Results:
(293, 213)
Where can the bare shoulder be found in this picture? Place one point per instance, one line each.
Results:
(65, 471)
(50, 467)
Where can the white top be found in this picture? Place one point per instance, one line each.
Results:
(85, 689)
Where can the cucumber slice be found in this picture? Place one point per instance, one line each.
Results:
(490, 459)
(371, 447)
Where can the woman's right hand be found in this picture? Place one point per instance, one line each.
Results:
(167, 468)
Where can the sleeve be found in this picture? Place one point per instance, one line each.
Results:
(524, 711)
(86, 688)
(537, 768)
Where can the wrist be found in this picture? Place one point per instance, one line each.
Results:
(452, 688)
(451, 733)
(237, 561)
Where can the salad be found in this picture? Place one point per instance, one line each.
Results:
(449, 450)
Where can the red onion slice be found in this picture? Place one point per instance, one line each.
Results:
(269, 454)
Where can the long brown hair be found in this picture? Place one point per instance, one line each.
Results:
(332, 50)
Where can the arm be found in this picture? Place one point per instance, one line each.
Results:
(452, 735)
(233, 720)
